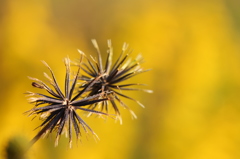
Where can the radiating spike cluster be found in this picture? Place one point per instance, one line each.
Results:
(115, 73)
(99, 88)
(59, 110)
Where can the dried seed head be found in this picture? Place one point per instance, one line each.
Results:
(58, 108)
(124, 68)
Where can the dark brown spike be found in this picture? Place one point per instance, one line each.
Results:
(67, 80)
(48, 89)
(89, 102)
(75, 125)
(99, 55)
(54, 80)
(45, 129)
(109, 57)
(70, 128)
(88, 87)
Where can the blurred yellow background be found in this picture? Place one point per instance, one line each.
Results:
(193, 48)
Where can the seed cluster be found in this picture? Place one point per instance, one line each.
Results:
(95, 93)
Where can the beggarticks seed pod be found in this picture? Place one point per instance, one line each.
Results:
(97, 91)
(115, 73)
(59, 109)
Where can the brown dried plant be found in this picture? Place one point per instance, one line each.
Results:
(59, 109)
(100, 89)
(109, 77)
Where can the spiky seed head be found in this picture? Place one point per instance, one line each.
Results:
(115, 73)
(59, 109)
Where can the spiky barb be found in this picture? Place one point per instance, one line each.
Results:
(111, 77)
(59, 109)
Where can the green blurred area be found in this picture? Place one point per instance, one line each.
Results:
(193, 48)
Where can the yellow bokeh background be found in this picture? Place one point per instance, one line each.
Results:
(192, 47)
